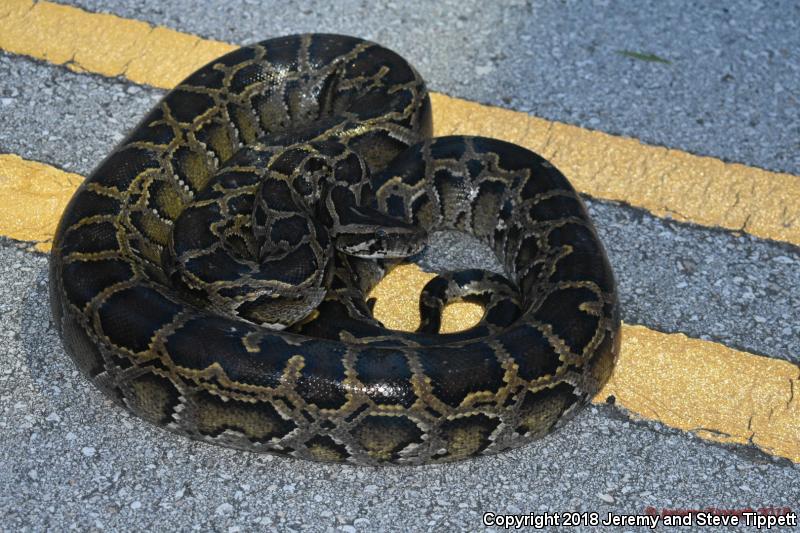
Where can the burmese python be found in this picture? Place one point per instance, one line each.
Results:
(210, 275)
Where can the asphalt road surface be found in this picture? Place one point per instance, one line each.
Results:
(709, 78)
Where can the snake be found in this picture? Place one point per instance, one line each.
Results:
(211, 276)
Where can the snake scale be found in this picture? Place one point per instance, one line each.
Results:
(210, 275)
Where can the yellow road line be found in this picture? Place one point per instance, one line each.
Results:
(668, 183)
(34, 196)
(716, 392)
(103, 44)
(686, 187)
(397, 302)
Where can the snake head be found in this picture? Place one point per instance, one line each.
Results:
(370, 234)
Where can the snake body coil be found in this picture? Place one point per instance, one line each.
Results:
(210, 275)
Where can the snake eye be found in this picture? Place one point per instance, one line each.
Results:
(380, 233)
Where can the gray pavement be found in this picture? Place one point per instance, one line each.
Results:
(70, 459)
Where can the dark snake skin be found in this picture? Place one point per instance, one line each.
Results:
(210, 275)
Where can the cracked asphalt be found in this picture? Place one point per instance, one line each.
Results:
(70, 460)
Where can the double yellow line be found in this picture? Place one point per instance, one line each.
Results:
(714, 391)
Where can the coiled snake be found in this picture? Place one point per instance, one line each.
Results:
(210, 275)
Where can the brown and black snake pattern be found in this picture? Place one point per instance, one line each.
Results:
(210, 275)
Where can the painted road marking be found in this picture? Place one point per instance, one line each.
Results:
(103, 44)
(718, 393)
(685, 187)
(713, 391)
(34, 196)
